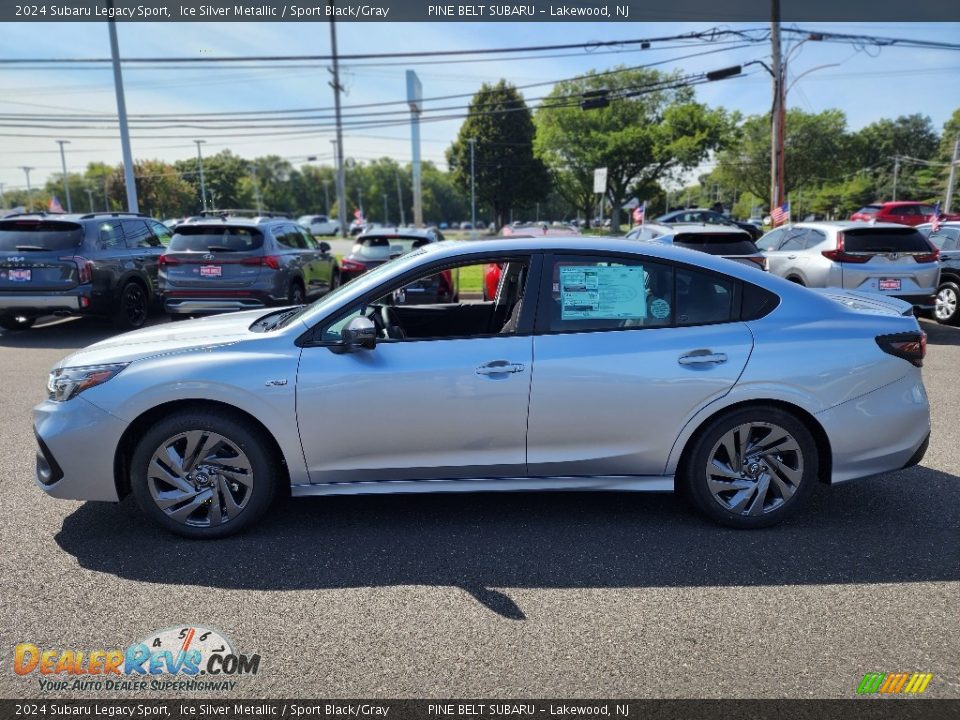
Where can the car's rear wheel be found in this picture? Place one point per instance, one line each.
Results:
(751, 468)
(297, 294)
(203, 474)
(945, 307)
(16, 322)
(134, 306)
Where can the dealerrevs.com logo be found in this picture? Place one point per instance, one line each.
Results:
(177, 658)
(898, 683)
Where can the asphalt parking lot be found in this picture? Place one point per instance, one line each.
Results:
(503, 596)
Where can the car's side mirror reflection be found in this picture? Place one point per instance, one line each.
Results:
(324, 247)
(359, 333)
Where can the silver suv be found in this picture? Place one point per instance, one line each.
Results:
(723, 240)
(882, 258)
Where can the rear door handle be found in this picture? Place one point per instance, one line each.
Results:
(791, 257)
(702, 358)
(499, 367)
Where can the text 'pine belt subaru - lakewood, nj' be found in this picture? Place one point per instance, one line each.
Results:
(598, 364)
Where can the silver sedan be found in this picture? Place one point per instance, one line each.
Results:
(598, 365)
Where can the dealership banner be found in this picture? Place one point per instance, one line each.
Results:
(482, 709)
(615, 11)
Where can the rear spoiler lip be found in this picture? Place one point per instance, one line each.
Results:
(837, 294)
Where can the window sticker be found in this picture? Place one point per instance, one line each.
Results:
(660, 309)
(596, 292)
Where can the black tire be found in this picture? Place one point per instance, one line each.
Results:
(796, 281)
(297, 295)
(133, 308)
(239, 432)
(14, 323)
(944, 312)
(334, 280)
(177, 317)
(775, 505)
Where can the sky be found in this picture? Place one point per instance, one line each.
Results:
(866, 83)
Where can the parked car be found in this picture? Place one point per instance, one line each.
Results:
(227, 264)
(378, 246)
(79, 264)
(702, 216)
(492, 271)
(947, 240)
(882, 258)
(903, 212)
(703, 375)
(320, 224)
(723, 240)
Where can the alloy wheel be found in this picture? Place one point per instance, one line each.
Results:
(135, 305)
(946, 304)
(754, 468)
(200, 478)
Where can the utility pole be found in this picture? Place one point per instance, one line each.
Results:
(341, 189)
(386, 217)
(415, 101)
(63, 163)
(473, 184)
(896, 172)
(326, 198)
(203, 185)
(946, 204)
(132, 204)
(776, 121)
(403, 220)
(89, 197)
(360, 199)
(26, 170)
(3, 200)
(106, 198)
(256, 189)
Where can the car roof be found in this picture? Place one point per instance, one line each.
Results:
(845, 224)
(943, 223)
(75, 217)
(898, 203)
(702, 228)
(428, 233)
(235, 221)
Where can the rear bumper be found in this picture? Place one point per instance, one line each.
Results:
(884, 430)
(187, 302)
(34, 305)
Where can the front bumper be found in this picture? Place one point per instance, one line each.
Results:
(878, 432)
(78, 443)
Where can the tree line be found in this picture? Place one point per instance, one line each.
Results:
(645, 127)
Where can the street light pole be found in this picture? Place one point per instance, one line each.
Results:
(63, 163)
(203, 186)
(335, 70)
(256, 189)
(473, 185)
(89, 198)
(776, 124)
(131, 183)
(946, 204)
(403, 220)
(326, 198)
(386, 218)
(896, 172)
(26, 170)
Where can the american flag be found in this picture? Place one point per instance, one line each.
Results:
(55, 205)
(639, 213)
(935, 218)
(781, 214)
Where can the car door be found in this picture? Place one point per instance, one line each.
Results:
(416, 409)
(113, 260)
(947, 240)
(772, 246)
(145, 250)
(320, 262)
(627, 350)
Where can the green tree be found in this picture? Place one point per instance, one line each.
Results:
(507, 173)
(642, 138)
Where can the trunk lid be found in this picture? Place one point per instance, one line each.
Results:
(213, 256)
(41, 255)
(887, 261)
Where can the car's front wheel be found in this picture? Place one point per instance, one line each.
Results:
(203, 474)
(945, 307)
(751, 467)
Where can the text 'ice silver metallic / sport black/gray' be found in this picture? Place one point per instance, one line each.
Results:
(599, 364)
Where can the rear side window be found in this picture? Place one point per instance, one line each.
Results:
(36, 235)
(772, 240)
(384, 247)
(945, 238)
(884, 240)
(289, 237)
(138, 235)
(703, 298)
(717, 243)
(111, 235)
(199, 238)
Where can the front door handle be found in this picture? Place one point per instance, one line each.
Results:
(791, 257)
(702, 358)
(499, 367)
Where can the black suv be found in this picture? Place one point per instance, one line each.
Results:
(68, 264)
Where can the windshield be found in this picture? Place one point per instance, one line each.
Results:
(383, 247)
(39, 235)
(869, 210)
(365, 281)
(202, 238)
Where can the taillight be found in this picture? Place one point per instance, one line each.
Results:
(759, 260)
(352, 265)
(928, 257)
(840, 255)
(84, 268)
(165, 260)
(270, 261)
(911, 346)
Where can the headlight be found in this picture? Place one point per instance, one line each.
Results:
(66, 383)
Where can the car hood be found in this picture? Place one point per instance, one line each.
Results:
(171, 337)
(868, 303)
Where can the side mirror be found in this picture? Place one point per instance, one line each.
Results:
(360, 333)
(324, 247)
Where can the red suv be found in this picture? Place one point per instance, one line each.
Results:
(903, 212)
